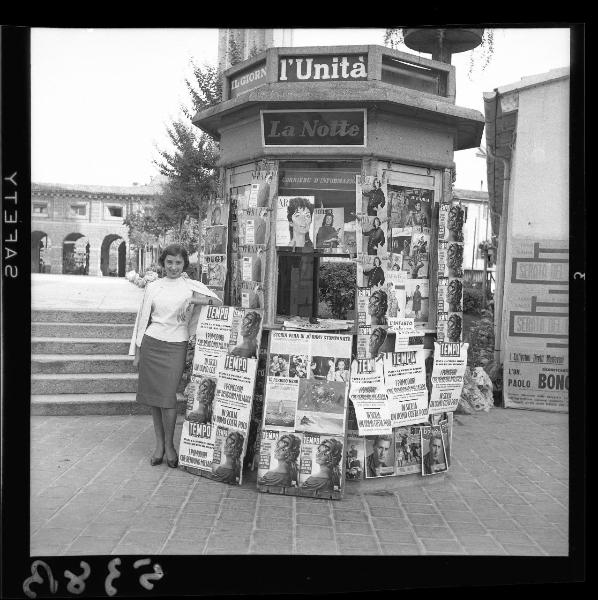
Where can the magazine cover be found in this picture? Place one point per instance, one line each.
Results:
(419, 203)
(252, 261)
(215, 238)
(401, 241)
(253, 227)
(355, 457)
(445, 420)
(294, 221)
(372, 341)
(329, 228)
(278, 464)
(433, 452)
(201, 402)
(406, 336)
(260, 192)
(228, 329)
(372, 271)
(373, 190)
(229, 450)
(321, 463)
(396, 294)
(407, 450)
(380, 456)
(417, 299)
(280, 405)
(368, 395)
(217, 214)
(196, 447)
(417, 263)
(399, 206)
(448, 373)
(449, 327)
(213, 273)
(373, 237)
(252, 294)
(451, 218)
(407, 394)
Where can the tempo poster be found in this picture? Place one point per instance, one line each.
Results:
(278, 463)
(368, 395)
(405, 382)
(228, 329)
(320, 463)
(448, 373)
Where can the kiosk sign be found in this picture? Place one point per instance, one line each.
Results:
(314, 127)
(323, 68)
(248, 80)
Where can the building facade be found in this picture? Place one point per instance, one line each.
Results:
(528, 181)
(78, 229)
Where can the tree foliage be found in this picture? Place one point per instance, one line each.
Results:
(337, 287)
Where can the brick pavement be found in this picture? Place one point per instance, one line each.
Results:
(94, 492)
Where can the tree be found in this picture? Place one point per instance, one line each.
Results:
(337, 287)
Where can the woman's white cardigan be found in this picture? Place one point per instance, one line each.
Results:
(145, 309)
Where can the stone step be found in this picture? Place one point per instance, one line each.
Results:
(81, 330)
(49, 345)
(82, 316)
(83, 383)
(81, 363)
(92, 404)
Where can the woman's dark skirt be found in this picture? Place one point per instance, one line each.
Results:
(161, 366)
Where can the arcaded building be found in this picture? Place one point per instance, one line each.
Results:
(78, 229)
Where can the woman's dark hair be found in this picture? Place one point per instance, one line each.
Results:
(296, 203)
(326, 215)
(379, 261)
(174, 250)
(379, 222)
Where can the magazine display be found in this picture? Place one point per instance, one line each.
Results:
(380, 456)
(405, 382)
(254, 225)
(355, 456)
(295, 222)
(433, 459)
(306, 395)
(448, 373)
(407, 450)
(329, 230)
(320, 463)
(368, 395)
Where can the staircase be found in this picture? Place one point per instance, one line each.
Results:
(80, 363)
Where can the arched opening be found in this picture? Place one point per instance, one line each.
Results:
(113, 257)
(40, 258)
(75, 254)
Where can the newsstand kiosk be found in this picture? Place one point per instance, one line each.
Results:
(342, 236)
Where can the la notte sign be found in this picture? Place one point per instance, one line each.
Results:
(314, 127)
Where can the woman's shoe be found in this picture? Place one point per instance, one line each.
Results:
(155, 461)
(173, 464)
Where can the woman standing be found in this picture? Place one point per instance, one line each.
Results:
(159, 344)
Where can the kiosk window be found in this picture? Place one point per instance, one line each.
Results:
(305, 258)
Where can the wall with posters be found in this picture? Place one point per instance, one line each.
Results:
(534, 326)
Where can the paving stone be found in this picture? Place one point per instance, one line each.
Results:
(222, 526)
(404, 536)
(55, 535)
(467, 528)
(351, 551)
(512, 537)
(314, 533)
(388, 512)
(437, 533)
(272, 537)
(183, 547)
(459, 516)
(506, 524)
(46, 548)
(441, 546)
(390, 524)
(236, 515)
(307, 546)
(274, 524)
(105, 531)
(306, 519)
(427, 520)
(423, 509)
(363, 542)
(195, 520)
(275, 500)
(206, 508)
(451, 505)
(313, 508)
(387, 501)
(353, 527)
(350, 515)
(400, 549)
(269, 512)
(88, 545)
(519, 550)
(185, 534)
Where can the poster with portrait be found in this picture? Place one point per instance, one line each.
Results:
(449, 326)
(448, 373)
(374, 240)
(278, 465)
(213, 273)
(450, 259)
(252, 261)
(417, 263)
(374, 340)
(217, 214)
(451, 218)
(401, 242)
(321, 406)
(433, 459)
(321, 463)
(407, 441)
(329, 229)
(371, 194)
(252, 294)
(394, 286)
(410, 207)
(196, 446)
(228, 329)
(215, 239)
(406, 391)
(368, 396)
(294, 222)
(354, 457)
(253, 227)
(417, 303)
(372, 271)
(380, 456)
(261, 190)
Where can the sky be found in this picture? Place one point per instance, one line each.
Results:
(101, 99)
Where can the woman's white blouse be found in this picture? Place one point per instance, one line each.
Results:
(165, 307)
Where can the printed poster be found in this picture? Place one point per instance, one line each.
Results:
(329, 228)
(355, 457)
(253, 226)
(433, 451)
(368, 395)
(407, 441)
(405, 381)
(321, 463)
(448, 372)
(380, 456)
(278, 465)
